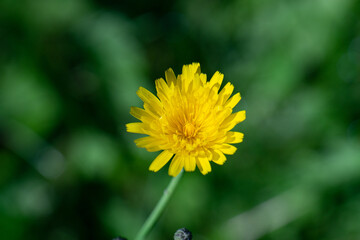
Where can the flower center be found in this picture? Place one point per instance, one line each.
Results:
(189, 130)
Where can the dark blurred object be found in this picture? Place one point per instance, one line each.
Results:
(119, 238)
(182, 234)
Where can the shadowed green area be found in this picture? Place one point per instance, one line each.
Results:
(69, 72)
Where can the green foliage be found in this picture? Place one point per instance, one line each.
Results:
(69, 71)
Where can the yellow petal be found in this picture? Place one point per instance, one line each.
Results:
(151, 144)
(150, 101)
(231, 103)
(160, 160)
(170, 77)
(223, 115)
(225, 93)
(234, 137)
(213, 94)
(216, 81)
(218, 157)
(227, 149)
(196, 68)
(203, 79)
(141, 114)
(162, 90)
(203, 165)
(193, 83)
(189, 163)
(136, 128)
(176, 165)
(230, 122)
(191, 69)
(189, 72)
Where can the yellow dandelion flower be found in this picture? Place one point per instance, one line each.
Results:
(189, 120)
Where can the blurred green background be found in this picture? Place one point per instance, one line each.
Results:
(69, 70)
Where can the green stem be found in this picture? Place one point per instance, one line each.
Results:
(150, 221)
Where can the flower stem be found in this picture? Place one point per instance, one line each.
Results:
(150, 221)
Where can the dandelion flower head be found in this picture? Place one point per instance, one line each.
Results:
(190, 120)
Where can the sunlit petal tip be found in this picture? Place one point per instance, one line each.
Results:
(241, 116)
(234, 137)
(170, 77)
(227, 149)
(135, 128)
(231, 103)
(218, 157)
(217, 78)
(203, 165)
